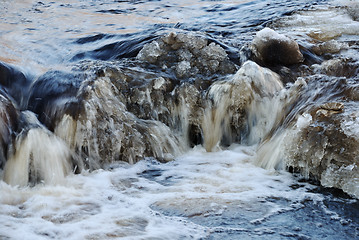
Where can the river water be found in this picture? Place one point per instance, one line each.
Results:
(151, 120)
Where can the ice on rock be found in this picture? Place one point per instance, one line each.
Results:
(150, 52)
(214, 52)
(184, 54)
(183, 68)
(187, 55)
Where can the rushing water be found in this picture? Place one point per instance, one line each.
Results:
(164, 120)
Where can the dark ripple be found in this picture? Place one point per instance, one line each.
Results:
(127, 47)
(93, 38)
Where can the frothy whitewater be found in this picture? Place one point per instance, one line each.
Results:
(189, 120)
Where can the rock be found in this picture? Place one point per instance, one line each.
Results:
(276, 49)
(15, 83)
(227, 118)
(54, 93)
(131, 109)
(325, 111)
(150, 52)
(353, 9)
(9, 121)
(326, 147)
(327, 153)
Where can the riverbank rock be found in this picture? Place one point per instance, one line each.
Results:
(325, 144)
(327, 152)
(273, 48)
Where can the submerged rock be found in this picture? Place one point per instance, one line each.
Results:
(273, 48)
(331, 47)
(340, 67)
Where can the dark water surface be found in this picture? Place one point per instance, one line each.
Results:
(47, 33)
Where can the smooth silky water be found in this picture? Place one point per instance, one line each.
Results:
(118, 139)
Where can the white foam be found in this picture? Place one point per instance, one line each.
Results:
(122, 203)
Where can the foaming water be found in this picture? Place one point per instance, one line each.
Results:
(200, 195)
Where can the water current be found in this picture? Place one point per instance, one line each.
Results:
(160, 119)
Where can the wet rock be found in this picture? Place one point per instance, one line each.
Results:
(319, 136)
(9, 121)
(105, 131)
(325, 111)
(353, 9)
(325, 152)
(226, 118)
(127, 114)
(324, 144)
(55, 93)
(15, 83)
(272, 48)
(145, 107)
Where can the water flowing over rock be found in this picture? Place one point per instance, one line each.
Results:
(31, 163)
(193, 119)
(334, 161)
(160, 117)
(181, 91)
(122, 112)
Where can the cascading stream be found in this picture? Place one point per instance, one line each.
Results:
(222, 120)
